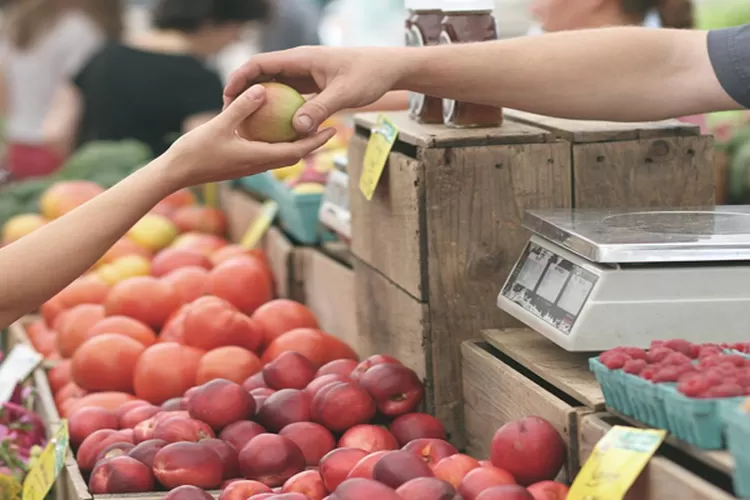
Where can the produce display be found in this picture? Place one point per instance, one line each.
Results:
(676, 385)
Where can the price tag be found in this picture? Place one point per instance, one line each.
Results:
(260, 225)
(334, 210)
(19, 364)
(211, 194)
(47, 467)
(376, 155)
(616, 462)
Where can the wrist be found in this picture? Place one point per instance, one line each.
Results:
(407, 62)
(164, 175)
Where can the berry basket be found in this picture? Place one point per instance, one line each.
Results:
(738, 435)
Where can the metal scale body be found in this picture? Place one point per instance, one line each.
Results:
(591, 280)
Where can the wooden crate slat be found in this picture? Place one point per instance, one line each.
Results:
(437, 136)
(568, 371)
(661, 479)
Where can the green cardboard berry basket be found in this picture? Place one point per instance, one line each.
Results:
(738, 436)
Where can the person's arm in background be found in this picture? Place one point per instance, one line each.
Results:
(39, 265)
(625, 74)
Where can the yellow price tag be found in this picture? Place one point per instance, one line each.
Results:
(615, 463)
(376, 155)
(211, 194)
(47, 467)
(260, 225)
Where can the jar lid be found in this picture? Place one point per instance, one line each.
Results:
(423, 4)
(467, 5)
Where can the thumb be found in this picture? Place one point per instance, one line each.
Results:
(318, 109)
(243, 106)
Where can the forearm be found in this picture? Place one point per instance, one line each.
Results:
(620, 74)
(36, 267)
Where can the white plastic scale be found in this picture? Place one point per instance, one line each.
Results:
(334, 210)
(594, 280)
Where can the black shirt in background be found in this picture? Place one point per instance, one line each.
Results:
(133, 94)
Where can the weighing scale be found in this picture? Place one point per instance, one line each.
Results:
(334, 211)
(591, 280)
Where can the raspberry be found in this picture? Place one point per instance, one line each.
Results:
(743, 377)
(649, 372)
(658, 354)
(614, 360)
(680, 345)
(727, 369)
(668, 373)
(634, 366)
(707, 351)
(713, 377)
(710, 361)
(735, 359)
(635, 352)
(693, 387)
(725, 391)
(656, 343)
(739, 346)
(676, 358)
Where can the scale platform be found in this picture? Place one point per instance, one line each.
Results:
(591, 280)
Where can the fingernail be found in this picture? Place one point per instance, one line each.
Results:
(255, 92)
(304, 123)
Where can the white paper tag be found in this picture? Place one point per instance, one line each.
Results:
(334, 211)
(19, 364)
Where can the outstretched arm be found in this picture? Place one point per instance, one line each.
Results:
(619, 74)
(39, 265)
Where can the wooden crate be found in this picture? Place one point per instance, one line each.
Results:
(433, 246)
(324, 281)
(616, 165)
(496, 392)
(663, 477)
(242, 209)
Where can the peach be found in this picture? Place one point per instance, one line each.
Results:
(397, 467)
(322, 381)
(378, 359)
(171, 259)
(121, 475)
(481, 478)
(272, 122)
(187, 492)
(114, 450)
(309, 483)
(341, 406)
(291, 370)
(359, 488)
(145, 430)
(271, 459)
(220, 403)
(174, 404)
(200, 218)
(337, 367)
(241, 489)
(364, 467)
(239, 434)
(284, 407)
(177, 429)
(336, 465)
(413, 426)
(264, 496)
(395, 388)
(313, 439)
(228, 456)
(62, 197)
(370, 438)
(530, 449)
(146, 451)
(127, 434)
(289, 496)
(94, 444)
(126, 407)
(548, 490)
(432, 451)
(88, 420)
(427, 488)
(254, 382)
(506, 492)
(138, 415)
(186, 463)
(262, 391)
(454, 468)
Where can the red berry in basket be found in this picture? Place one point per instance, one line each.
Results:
(680, 345)
(649, 372)
(726, 369)
(736, 359)
(725, 390)
(635, 352)
(743, 377)
(614, 360)
(709, 361)
(693, 386)
(713, 376)
(634, 366)
(668, 373)
(656, 343)
(676, 358)
(658, 354)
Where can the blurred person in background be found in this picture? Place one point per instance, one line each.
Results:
(156, 85)
(291, 23)
(42, 45)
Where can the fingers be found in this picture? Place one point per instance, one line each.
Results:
(291, 152)
(242, 107)
(319, 108)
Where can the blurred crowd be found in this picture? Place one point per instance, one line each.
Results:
(76, 71)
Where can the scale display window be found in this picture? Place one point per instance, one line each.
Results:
(549, 286)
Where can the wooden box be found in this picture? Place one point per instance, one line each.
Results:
(663, 477)
(443, 229)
